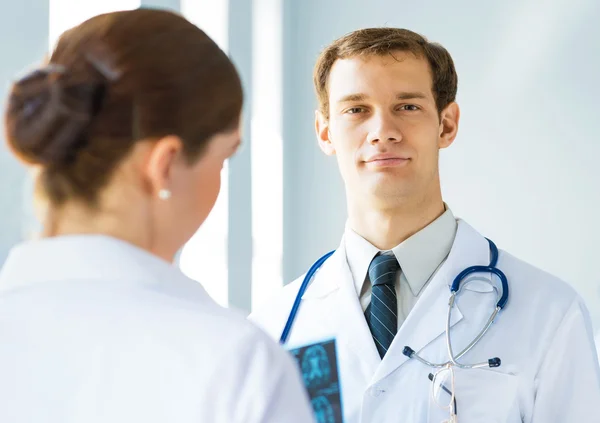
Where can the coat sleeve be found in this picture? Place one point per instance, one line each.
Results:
(270, 389)
(287, 400)
(568, 381)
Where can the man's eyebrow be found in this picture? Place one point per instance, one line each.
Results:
(404, 95)
(410, 95)
(352, 97)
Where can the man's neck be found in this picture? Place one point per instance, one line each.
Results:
(387, 228)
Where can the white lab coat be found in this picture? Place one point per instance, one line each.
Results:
(549, 371)
(95, 330)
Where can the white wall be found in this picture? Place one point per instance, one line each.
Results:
(525, 167)
(27, 20)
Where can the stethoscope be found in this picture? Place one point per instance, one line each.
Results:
(455, 288)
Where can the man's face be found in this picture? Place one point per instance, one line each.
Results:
(384, 126)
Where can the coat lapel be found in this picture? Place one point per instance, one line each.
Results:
(334, 287)
(427, 321)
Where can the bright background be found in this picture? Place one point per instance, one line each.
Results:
(524, 169)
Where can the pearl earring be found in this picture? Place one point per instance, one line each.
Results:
(164, 194)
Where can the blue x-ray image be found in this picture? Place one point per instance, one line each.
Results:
(318, 365)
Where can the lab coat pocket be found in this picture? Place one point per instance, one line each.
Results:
(480, 396)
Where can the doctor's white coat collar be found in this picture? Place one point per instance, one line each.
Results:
(91, 258)
(419, 256)
(469, 248)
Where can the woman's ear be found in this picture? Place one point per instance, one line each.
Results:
(163, 156)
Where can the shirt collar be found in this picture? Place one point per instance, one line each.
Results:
(419, 256)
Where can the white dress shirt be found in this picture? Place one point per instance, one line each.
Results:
(419, 257)
(93, 329)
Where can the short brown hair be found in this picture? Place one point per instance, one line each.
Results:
(382, 41)
(116, 79)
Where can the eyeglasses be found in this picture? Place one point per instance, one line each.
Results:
(442, 391)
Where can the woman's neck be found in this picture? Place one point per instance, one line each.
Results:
(127, 224)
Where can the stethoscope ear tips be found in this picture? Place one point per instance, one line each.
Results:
(494, 362)
(408, 351)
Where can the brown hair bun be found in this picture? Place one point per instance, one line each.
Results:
(48, 116)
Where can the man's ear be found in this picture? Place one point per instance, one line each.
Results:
(449, 124)
(323, 134)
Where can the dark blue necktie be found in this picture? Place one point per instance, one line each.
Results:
(382, 312)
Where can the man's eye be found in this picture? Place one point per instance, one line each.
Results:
(355, 110)
(410, 107)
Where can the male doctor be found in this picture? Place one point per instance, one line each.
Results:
(386, 108)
